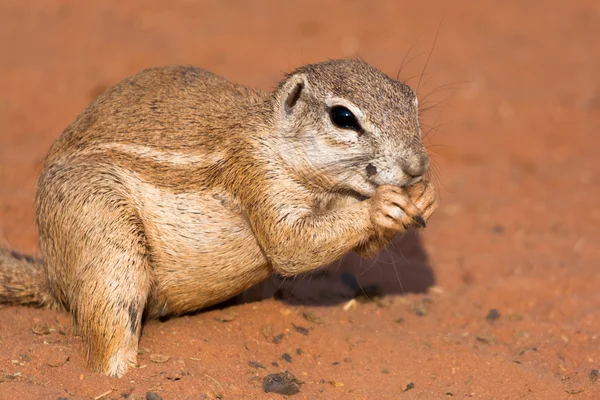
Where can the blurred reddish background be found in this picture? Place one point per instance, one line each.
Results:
(514, 143)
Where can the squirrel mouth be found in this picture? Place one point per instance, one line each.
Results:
(414, 180)
(364, 193)
(360, 196)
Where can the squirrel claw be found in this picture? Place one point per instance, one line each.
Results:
(419, 220)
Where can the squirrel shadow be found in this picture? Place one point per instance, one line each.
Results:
(402, 268)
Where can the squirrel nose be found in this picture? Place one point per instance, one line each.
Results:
(416, 167)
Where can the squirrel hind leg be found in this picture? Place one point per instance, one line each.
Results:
(97, 259)
(108, 313)
(110, 284)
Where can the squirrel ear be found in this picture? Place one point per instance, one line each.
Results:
(291, 92)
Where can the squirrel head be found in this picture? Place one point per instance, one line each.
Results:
(346, 126)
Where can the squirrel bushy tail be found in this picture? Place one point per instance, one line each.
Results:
(22, 280)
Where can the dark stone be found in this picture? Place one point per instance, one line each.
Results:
(281, 383)
(152, 396)
(493, 314)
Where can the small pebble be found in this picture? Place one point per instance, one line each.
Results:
(267, 331)
(275, 364)
(408, 386)
(350, 305)
(62, 329)
(58, 359)
(285, 311)
(486, 338)
(492, 315)
(256, 365)
(499, 229)
(226, 317)
(278, 338)
(41, 329)
(594, 375)
(286, 357)
(159, 358)
(419, 308)
(311, 317)
(300, 329)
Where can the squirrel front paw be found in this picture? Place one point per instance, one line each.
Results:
(422, 195)
(399, 209)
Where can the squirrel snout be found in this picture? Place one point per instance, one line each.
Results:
(415, 167)
(403, 173)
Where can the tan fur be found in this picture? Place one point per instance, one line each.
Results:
(176, 189)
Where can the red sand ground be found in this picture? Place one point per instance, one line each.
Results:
(516, 152)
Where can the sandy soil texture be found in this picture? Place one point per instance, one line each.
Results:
(511, 99)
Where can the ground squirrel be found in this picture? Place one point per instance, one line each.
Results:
(176, 189)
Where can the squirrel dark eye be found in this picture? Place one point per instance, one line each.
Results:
(343, 118)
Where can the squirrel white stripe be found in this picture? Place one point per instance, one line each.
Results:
(171, 157)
